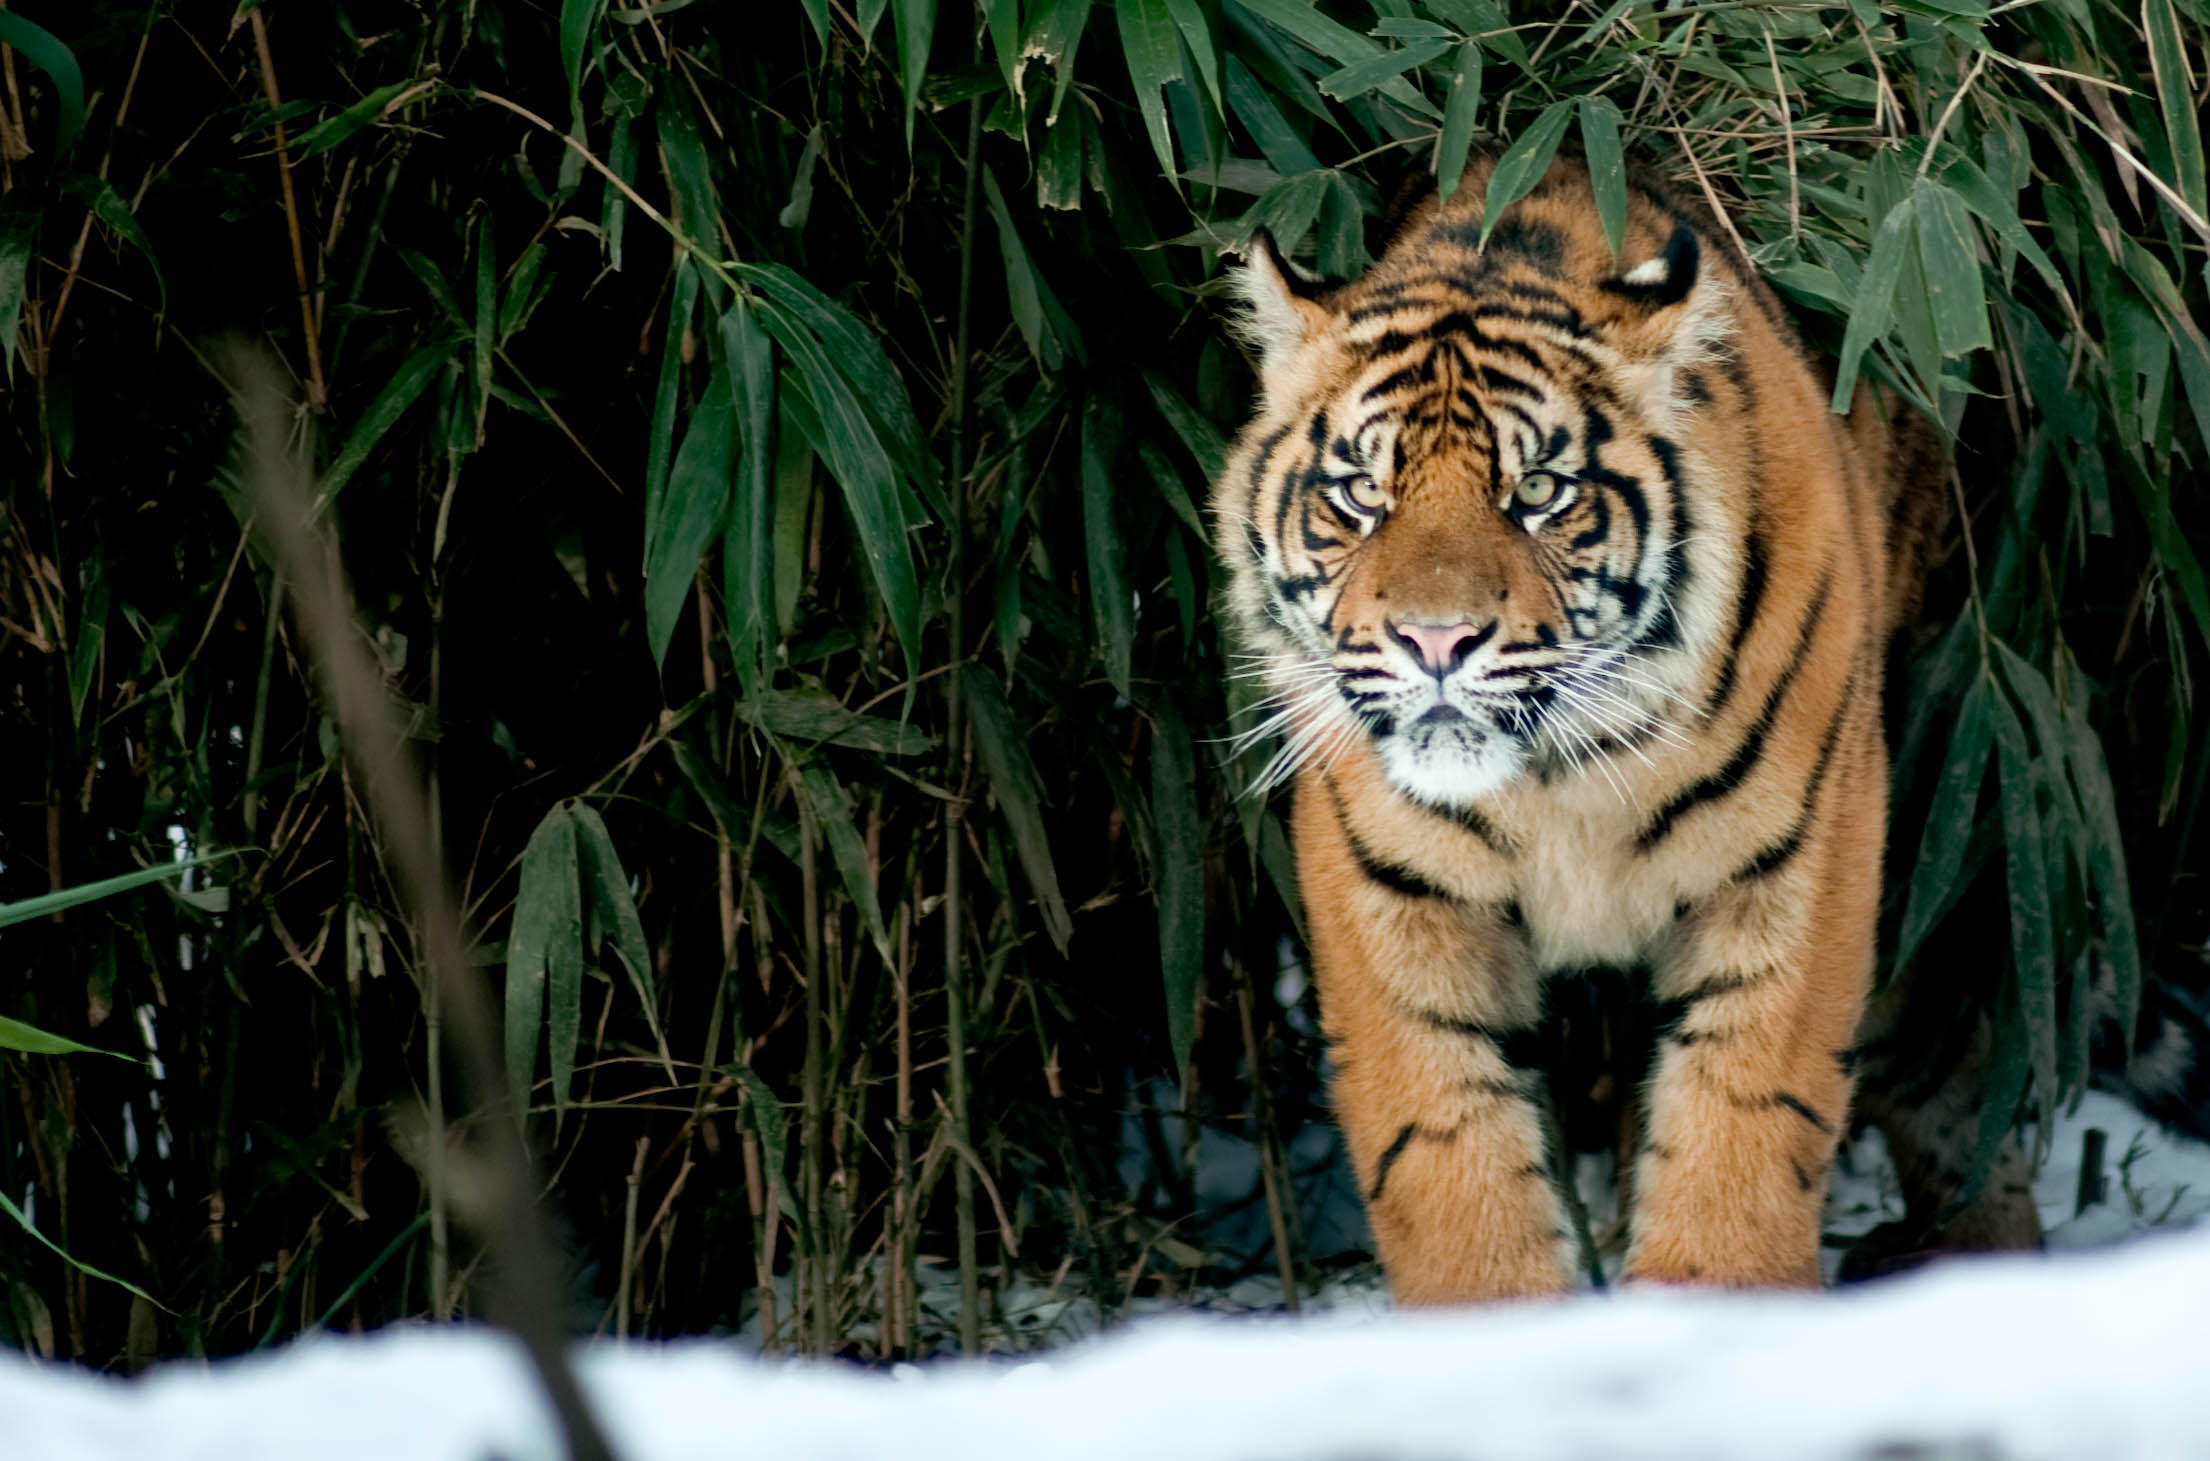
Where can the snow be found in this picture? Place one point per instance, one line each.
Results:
(2093, 1352)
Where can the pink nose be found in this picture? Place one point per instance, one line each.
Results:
(1441, 648)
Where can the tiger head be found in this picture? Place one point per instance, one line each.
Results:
(1458, 526)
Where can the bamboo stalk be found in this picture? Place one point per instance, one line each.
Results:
(959, 755)
(809, 1259)
(317, 395)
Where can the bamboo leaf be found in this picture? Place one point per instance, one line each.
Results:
(329, 132)
(858, 354)
(660, 440)
(2033, 937)
(1607, 166)
(1524, 163)
(748, 549)
(49, 55)
(833, 814)
(1949, 820)
(856, 457)
(1022, 285)
(1200, 436)
(1189, 18)
(814, 718)
(15, 1035)
(25, 1223)
(577, 19)
(18, 238)
(1339, 43)
(2175, 97)
(26, 909)
(1111, 607)
(1869, 307)
(2105, 853)
(1383, 66)
(689, 514)
(2003, 1077)
(99, 196)
(916, 27)
(1019, 793)
(1154, 55)
(544, 961)
(1460, 108)
(1953, 286)
(612, 912)
(401, 392)
(1178, 864)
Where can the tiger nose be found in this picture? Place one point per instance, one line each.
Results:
(1441, 648)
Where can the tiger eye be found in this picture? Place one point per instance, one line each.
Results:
(1536, 490)
(1362, 491)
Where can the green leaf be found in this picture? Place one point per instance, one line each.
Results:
(832, 813)
(916, 27)
(1607, 166)
(613, 914)
(1953, 287)
(856, 457)
(1338, 42)
(1949, 821)
(2003, 1078)
(1460, 108)
(1169, 482)
(2175, 96)
(816, 718)
(1023, 287)
(1196, 433)
(39, 47)
(660, 442)
(17, 1213)
(1154, 55)
(748, 550)
(858, 354)
(2033, 935)
(433, 280)
(1869, 309)
(1111, 606)
(577, 19)
(329, 132)
(487, 319)
(1523, 164)
(1360, 77)
(2105, 856)
(689, 514)
(15, 1035)
(27, 909)
(1179, 865)
(1189, 18)
(99, 196)
(1987, 202)
(18, 238)
(1019, 793)
(544, 961)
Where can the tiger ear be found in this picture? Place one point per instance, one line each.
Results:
(1280, 306)
(1672, 316)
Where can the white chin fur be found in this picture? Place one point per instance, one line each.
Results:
(1447, 769)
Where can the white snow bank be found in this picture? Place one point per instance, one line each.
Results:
(2084, 1357)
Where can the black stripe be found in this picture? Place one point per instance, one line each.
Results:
(1394, 876)
(1472, 821)
(1389, 1159)
(1746, 602)
(1778, 854)
(1520, 1048)
(1803, 1178)
(1801, 1107)
(1746, 756)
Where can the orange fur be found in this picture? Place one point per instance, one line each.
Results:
(1653, 736)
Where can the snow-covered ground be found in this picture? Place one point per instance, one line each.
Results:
(2073, 1356)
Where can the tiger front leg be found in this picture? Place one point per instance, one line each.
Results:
(1428, 1005)
(1750, 1084)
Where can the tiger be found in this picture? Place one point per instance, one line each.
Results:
(1571, 601)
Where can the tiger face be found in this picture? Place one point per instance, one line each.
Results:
(1459, 526)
